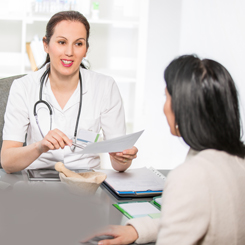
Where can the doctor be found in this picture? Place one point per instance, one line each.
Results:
(74, 97)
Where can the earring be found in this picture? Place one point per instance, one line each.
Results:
(177, 126)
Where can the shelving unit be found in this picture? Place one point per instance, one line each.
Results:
(115, 47)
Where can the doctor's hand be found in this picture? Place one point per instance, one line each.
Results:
(122, 235)
(123, 158)
(55, 139)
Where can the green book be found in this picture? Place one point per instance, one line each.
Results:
(139, 209)
(157, 201)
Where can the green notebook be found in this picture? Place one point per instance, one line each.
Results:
(157, 201)
(140, 209)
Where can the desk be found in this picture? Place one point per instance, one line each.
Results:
(111, 214)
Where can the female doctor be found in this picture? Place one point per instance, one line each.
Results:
(49, 107)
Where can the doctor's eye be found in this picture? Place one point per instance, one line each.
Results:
(61, 42)
(79, 44)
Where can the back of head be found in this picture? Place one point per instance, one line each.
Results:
(205, 104)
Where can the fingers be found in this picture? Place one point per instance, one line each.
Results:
(119, 235)
(62, 137)
(122, 159)
(115, 241)
(132, 151)
(126, 156)
(106, 231)
(55, 139)
(122, 235)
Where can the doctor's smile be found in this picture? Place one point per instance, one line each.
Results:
(67, 63)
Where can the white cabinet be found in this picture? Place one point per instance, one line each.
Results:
(116, 42)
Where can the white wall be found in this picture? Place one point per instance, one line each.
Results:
(209, 28)
(157, 147)
(216, 29)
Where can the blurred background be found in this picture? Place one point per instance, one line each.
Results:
(133, 41)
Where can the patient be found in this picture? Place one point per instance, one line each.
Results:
(204, 198)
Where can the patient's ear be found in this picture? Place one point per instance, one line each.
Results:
(45, 45)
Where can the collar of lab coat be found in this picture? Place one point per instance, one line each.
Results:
(74, 99)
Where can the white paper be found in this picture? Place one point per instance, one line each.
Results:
(113, 145)
(139, 179)
(86, 136)
(158, 200)
(139, 208)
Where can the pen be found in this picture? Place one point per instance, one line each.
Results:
(79, 145)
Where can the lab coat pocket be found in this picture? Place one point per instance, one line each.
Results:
(90, 124)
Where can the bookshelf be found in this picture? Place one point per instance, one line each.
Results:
(116, 44)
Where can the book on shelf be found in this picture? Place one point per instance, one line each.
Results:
(31, 56)
(36, 53)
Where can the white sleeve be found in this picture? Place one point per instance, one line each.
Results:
(112, 113)
(16, 118)
(185, 207)
(146, 227)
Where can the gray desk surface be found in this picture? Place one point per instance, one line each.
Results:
(113, 215)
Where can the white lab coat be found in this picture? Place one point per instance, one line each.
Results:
(102, 109)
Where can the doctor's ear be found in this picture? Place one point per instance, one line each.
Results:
(45, 45)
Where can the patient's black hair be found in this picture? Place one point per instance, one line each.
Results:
(204, 101)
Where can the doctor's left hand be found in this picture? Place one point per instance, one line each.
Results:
(126, 156)
(55, 139)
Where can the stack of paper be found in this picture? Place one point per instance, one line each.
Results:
(134, 182)
(138, 209)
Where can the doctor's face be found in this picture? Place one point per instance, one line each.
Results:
(67, 47)
(167, 109)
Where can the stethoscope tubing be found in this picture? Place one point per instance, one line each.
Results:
(41, 101)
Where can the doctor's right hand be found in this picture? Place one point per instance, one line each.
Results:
(55, 139)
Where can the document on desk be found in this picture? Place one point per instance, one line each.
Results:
(138, 209)
(113, 145)
(134, 182)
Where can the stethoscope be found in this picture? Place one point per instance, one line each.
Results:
(41, 101)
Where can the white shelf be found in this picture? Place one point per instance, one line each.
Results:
(18, 17)
(9, 71)
(115, 47)
(120, 76)
(10, 64)
(113, 23)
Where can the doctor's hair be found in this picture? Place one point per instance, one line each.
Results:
(204, 101)
(69, 16)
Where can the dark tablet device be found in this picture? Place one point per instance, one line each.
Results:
(48, 174)
(43, 174)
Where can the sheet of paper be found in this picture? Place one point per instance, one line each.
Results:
(159, 200)
(87, 136)
(138, 179)
(139, 209)
(113, 145)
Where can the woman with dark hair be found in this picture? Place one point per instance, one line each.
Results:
(203, 199)
(61, 103)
